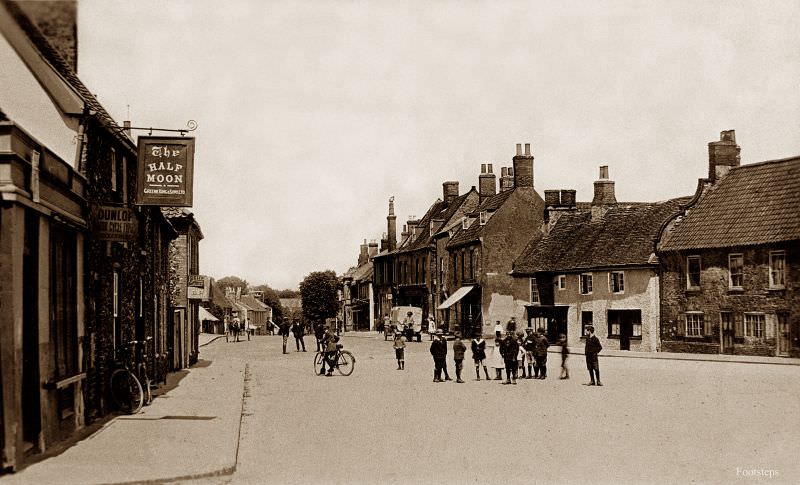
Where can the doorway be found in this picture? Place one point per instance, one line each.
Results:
(784, 335)
(728, 332)
(625, 325)
(31, 404)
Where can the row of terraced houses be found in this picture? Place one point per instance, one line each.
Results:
(712, 272)
(70, 295)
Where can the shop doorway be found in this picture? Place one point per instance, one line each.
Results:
(728, 332)
(784, 335)
(31, 404)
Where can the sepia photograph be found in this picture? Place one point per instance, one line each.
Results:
(416, 242)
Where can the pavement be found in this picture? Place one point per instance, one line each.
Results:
(169, 440)
(193, 429)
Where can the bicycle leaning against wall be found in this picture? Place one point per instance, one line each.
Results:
(130, 385)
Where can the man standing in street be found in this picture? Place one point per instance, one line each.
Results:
(284, 332)
(458, 356)
(299, 332)
(439, 353)
(541, 354)
(591, 350)
(319, 335)
(510, 349)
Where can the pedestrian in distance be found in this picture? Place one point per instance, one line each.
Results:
(591, 350)
(498, 330)
(399, 351)
(431, 326)
(235, 329)
(541, 353)
(227, 327)
(564, 354)
(496, 359)
(478, 348)
(247, 328)
(284, 332)
(408, 326)
(529, 344)
(319, 335)
(510, 349)
(511, 326)
(521, 354)
(458, 356)
(439, 353)
(299, 332)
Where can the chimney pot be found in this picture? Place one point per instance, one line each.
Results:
(527, 149)
(723, 155)
(519, 149)
(483, 168)
(489, 167)
(603, 172)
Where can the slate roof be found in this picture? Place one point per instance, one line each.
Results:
(473, 232)
(754, 204)
(55, 59)
(424, 237)
(622, 237)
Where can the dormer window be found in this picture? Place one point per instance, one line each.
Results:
(484, 216)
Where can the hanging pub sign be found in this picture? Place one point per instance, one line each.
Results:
(166, 166)
(111, 223)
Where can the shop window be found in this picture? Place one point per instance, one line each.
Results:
(63, 301)
(735, 271)
(777, 269)
(586, 283)
(693, 272)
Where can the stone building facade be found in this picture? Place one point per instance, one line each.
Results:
(730, 260)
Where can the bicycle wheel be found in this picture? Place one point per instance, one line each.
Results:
(126, 391)
(318, 362)
(345, 363)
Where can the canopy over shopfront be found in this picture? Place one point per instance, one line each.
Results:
(455, 297)
(205, 315)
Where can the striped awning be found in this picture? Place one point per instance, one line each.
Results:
(453, 299)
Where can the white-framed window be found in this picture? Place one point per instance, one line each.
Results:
(464, 223)
(586, 283)
(735, 270)
(693, 272)
(754, 324)
(561, 282)
(483, 218)
(616, 282)
(534, 292)
(694, 324)
(777, 269)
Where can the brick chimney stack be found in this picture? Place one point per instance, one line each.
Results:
(363, 255)
(372, 249)
(57, 20)
(604, 189)
(723, 155)
(487, 181)
(506, 178)
(450, 191)
(391, 221)
(523, 167)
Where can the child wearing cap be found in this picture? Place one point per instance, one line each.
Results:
(399, 351)
(458, 356)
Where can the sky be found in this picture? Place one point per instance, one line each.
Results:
(312, 114)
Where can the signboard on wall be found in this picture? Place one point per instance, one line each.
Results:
(110, 223)
(199, 287)
(165, 171)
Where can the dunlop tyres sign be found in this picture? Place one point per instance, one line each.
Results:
(110, 223)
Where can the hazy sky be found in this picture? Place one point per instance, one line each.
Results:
(312, 114)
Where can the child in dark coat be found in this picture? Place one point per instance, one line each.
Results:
(458, 356)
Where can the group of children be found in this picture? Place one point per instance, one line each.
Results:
(516, 351)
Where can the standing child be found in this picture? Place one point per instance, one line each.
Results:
(458, 356)
(591, 350)
(496, 360)
(541, 353)
(564, 354)
(479, 356)
(521, 354)
(399, 351)
(529, 344)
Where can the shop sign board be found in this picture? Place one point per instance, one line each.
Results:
(165, 171)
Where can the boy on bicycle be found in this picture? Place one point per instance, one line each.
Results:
(330, 341)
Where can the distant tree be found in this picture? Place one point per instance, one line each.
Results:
(288, 294)
(318, 296)
(231, 282)
(270, 297)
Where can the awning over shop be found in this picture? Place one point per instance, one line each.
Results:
(459, 294)
(205, 315)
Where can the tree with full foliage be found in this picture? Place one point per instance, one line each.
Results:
(232, 282)
(288, 294)
(318, 294)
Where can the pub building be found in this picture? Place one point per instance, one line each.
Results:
(83, 270)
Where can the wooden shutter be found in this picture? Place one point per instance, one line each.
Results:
(738, 326)
(706, 325)
(681, 325)
(770, 322)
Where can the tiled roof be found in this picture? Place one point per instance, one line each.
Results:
(62, 67)
(439, 211)
(175, 212)
(623, 236)
(473, 232)
(754, 204)
(363, 272)
(253, 302)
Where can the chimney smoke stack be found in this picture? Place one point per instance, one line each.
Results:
(523, 167)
